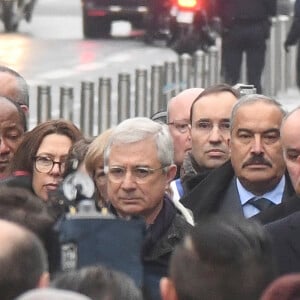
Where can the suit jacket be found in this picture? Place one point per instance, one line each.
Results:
(286, 243)
(217, 194)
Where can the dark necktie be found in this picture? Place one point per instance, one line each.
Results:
(260, 203)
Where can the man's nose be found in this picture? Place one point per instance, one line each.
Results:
(215, 134)
(257, 146)
(3, 146)
(128, 180)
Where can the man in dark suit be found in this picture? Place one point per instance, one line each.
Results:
(285, 232)
(255, 176)
(246, 29)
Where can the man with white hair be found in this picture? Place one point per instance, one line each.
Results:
(138, 161)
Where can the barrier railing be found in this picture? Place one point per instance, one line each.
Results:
(150, 92)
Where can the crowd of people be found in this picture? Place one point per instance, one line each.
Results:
(198, 203)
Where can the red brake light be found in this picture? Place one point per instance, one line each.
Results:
(187, 3)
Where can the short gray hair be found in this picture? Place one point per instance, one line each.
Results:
(140, 128)
(250, 99)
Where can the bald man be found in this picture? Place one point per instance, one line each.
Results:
(285, 232)
(178, 119)
(12, 128)
(14, 87)
(23, 261)
(290, 141)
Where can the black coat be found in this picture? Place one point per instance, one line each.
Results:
(208, 196)
(167, 231)
(285, 235)
(232, 11)
(294, 32)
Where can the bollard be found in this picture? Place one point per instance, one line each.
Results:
(123, 96)
(243, 73)
(141, 79)
(66, 103)
(185, 71)
(87, 108)
(43, 103)
(281, 59)
(199, 68)
(213, 66)
(291, 78)
(292, 67)
(170, 86)
(104, 104)
(156, 89)
(270, 70)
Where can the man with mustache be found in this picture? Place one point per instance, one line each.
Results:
(255, 176)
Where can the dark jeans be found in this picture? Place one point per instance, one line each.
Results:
(251, 39)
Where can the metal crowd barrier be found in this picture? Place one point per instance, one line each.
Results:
(150, 92)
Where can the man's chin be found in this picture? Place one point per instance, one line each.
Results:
(3, 169)
(214, 163)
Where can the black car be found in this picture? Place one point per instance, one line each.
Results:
(97, 15)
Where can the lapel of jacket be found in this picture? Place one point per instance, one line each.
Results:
(288, 189)
(206, 196)
(293, 232)
(230, 203)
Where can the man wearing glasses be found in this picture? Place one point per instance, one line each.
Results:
(138, 161)
(178, 119)
(209, 119)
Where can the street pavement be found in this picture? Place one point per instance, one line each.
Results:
(289, 99)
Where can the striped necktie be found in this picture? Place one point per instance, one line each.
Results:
(260, 203)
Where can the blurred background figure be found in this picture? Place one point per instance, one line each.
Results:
(293, 37)
(14, 87)
(23, 261)
(51, 294)
(76, 156)
(245, 29)
(99, 282)
(228, 259)
(94, 164)
(286, 287)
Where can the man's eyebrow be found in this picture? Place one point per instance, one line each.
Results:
(271, 130)
(245, 129)
(11, 127)
(292, 150)
(203, 120)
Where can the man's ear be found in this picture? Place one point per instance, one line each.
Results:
(44, 280)
(229, 145)
(167, 289)
(171, 172)
(25, 109)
